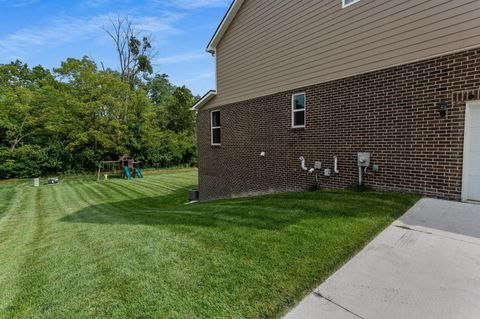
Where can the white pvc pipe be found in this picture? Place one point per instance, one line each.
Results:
(302, 160)
(335, 165)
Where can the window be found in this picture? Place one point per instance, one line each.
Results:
(346, 3)
(216, 134)
(299, 110)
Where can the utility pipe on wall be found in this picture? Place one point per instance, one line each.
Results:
(302, 160)
(360, 176)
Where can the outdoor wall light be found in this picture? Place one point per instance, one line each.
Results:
(442, 108)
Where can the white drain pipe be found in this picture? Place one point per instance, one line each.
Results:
(302, 160)
(335, 165)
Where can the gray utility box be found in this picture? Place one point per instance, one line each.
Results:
(363, 159)
(193, 195)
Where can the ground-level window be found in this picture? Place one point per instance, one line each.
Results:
(299, 110)
(346, 3)
(216, 134)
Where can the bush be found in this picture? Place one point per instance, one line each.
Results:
(22, 162)
(55, 158)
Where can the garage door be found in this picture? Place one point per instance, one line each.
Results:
(471, 183)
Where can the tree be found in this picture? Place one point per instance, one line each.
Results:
(18, 74)
(17, 115)
(160, 90)
(98, 103)
(20, 115)
(134, 50)
(70, 119)
(180, 117)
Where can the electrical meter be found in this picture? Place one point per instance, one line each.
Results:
(363, 159)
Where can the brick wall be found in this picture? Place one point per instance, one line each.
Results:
(392, 113)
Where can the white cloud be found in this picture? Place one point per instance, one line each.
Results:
(157, 24)
(193, 4)
(64, 30)
(180, 58)
(17, 3)
(96, 3)
(199, 83)
(201, 77)
(60, 30)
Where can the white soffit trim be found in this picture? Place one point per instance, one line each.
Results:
(222, 28)
(204, 100)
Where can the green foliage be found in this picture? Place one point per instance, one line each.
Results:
(77, 116)
(179, 117)
(20, 162)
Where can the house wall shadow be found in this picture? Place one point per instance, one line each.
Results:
(269, 212)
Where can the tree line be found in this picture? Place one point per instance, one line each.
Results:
(69, 119)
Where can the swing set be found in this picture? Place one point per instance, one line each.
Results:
(125, 165)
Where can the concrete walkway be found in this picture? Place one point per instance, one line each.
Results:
(425, 265)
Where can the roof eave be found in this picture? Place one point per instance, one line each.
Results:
(204, 100)
(222, 28)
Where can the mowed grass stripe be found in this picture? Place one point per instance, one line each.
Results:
(117, 283)
(138, 188)
(123, 249)
(123, 191)
(7, 194)
(105, 191)
(18, 216)
(96, 250)
(83, 276)
(34, 268)
(184, 180)
(150, 186)
(15, 234)
(88, 196)
(157, 183)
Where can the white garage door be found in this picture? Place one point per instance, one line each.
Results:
(471, 183)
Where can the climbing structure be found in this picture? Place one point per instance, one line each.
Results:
(127, 166)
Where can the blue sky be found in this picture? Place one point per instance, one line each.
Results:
(47, 32)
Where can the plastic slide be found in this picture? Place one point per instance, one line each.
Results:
(137, 171)
(128, 172)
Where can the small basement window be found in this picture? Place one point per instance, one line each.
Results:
(216, 134)
(299, 110)
(346, 3)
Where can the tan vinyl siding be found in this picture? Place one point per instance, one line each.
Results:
(279, 45)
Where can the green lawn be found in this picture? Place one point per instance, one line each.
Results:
(132, 249)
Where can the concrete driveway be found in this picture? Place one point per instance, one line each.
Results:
(425, 265)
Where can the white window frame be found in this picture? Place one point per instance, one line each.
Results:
(299, 110)
(215, 127)
(349, 4)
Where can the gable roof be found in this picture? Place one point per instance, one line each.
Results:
(222, 28)
(204, 100)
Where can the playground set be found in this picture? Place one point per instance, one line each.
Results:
(126, 165)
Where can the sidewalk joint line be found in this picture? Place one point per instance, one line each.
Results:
(336, 304)
(435, 234)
